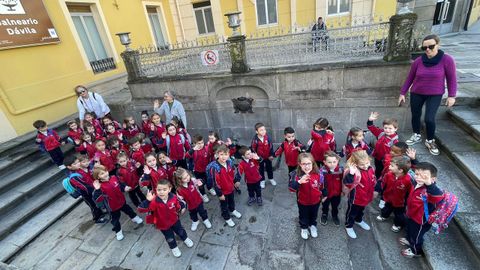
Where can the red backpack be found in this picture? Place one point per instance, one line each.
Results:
(443, 213)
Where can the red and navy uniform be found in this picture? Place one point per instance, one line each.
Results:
(87, 148)
(361, 186)
(224, 179)
(249, 167)
(210, 150)
(151, 180)
(333, 181)
(130, 131)
(177, 147)
(146, 127)
(98, 127)
(85, 187)
(291, 152)
(200, 159)
(263, 147)
(156, 134)
(169, 169)
(349, 148)
(50, 140)
(382, 147)
(163, 214)
(117, 133)
(116, 150)
(190, 195)
(147, 148)
(75, 135)
(86, 176)
(129, 175)
(395, 189)
(138, 156)
(323, 142)
(106, 159)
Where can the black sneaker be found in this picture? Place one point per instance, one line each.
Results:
(336, 221)
(259, 201)
(323, 220)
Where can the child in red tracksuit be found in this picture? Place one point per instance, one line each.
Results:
(395, 187)
(116, 147)
(104, 157)
(166, 164)
(145, 123)
(309, 185)
(137, 154)
(199, 154)
(249, 166)
(50, 142)
(291, 147)
(130, 128)
(386, 138)
(322, 140)
(87, 146)
(88, 119)
(333, 174)
(225, 180)
(355, 141)
(128, 174)
(74, 134)
(157, 129)
(176, 145)
(109, 190)
(152, 173)
(90, 129)
(187, 189)
(359, 180)
(417, 225)
(164, 208)
(263, 147)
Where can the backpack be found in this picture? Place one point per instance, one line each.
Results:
(443, 213)
(69, 187)
(94, 97)
(212, 168)
(168, 142)
(391, 140)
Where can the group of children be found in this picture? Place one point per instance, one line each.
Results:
(172, 172)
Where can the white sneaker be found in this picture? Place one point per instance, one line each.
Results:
(363, 225)
(230, 223)
(395, 229)
(120, 235)
(380, 218)
(194, 226)
(62, 167)
(381, 204)
(207, 223)
(262, 184)
(313, 231)
(137, 220)
(205, 198)
(304, 234)
(236, 214)
(273, 182)
(432, 147)
(176, 252)
(351, 233)
(415, 138)
(188, 242)
(212, 191)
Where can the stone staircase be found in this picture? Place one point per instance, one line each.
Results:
(31, 195)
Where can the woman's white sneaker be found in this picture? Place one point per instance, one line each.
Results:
(415, 138)
(432, 147)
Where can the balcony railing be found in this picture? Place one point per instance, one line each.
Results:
(103, 65)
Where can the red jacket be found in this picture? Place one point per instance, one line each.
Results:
(97, 125)
(309, 193)
(75, 134)
(322, 143)
(112, 191)
(251, 170)
(163, 214)
(88, 148)
(151, 180)
(291, 153)
(86, 176)
(106, 159)
(224, 179)
(211, 153)
(177, 148)
(348, 148)
(128, 175)
(384, 142)
(156, 134)
(264, 148)
(395, 190)
(333, 181)
(200, 159)
(362, 194)
(190, 195)
(169, 169)
(49, 141)
(131, 131)
(116, 151)
(147, 148)
(415, 204)
(138, 156)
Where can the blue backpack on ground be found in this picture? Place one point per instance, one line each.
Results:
(69, 187)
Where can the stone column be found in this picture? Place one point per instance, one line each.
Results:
(130, 59)
(400, 37)
(238, 54)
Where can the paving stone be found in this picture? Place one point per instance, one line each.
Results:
(144, 249)
(285, 260)
(165, 260)
(220, 233)
(470, 163)
(115, 252)
(78, 260)
(59, 254)
(246, 252)
(255, 218)
(209, 257)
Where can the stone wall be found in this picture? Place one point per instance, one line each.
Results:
(343, 92)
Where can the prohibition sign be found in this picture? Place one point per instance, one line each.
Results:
(210, 58)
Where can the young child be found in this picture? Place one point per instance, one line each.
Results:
(323, 140)
(263, 147)
(249, 166)
(181, 128)
(110, 191)
(137, 154)
(355, 141)
(166, 164)
(111, 131)
(152, 174)
(291, 147)
(395, 187)
(333, 174)
(104, 157)
(386, 137)
(84, 185)
(108, 120)
(359, 180)
(157, 128)
(116, 147)
(129, 175)
(199, 154)
(165, 207)
(176, 145)
(213, 140)
(145, 123)
(50, 142)
(417, 225)
(90, 119)
(86, 168)
(90, 129)
(87, 146)
(74, 134)
(187, 189)
(223, 175)
(308, 183)
(130, 128)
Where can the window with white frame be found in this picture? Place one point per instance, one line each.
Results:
(155, 21)
(266, 12)
(338, 6)
(203, 15)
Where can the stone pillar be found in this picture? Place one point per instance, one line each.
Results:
(238, 54)
(131, 64)
(399, 37)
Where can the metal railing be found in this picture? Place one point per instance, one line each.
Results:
(103, 65)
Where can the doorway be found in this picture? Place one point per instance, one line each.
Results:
(443, 17)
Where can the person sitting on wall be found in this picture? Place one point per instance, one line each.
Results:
(170, 107)
(90, 102)
(319, 34)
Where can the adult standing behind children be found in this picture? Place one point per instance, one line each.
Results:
(170, 107)
(90, 102)
(427, 81)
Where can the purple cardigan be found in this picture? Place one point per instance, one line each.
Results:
(431, 80)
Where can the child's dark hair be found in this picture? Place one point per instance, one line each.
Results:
(111, 140)
(221, 149)
(243, 150)
(122, 154)
(288, 130)
(144, 113)
(427, 166)
(214, 134)
(321, 122)
(71, 122)
(178, 122)
(98, 141)
(170, 125)
(330, 154)
(178, 176)
(399, 149)
(81, 157)
(147, 155)
(164, 182)
(69, 160)
(390, 121)
(155, 114)
(259, 125)
(403, 163)
(354, 131)
(39, 124)
(134, 140)
(89, 113)
(110, 125)
(126, 121)
(197, 138)
(86, 134)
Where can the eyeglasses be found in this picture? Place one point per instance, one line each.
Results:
(431, 47)
(81, 91)
(306, 164)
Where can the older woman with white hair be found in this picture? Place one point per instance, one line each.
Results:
(90, 102)
(170, 107)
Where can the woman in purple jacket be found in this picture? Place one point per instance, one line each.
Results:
(426, 82)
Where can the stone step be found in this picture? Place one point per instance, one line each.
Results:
(21, 192)
(468, 118)
(28, 231)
